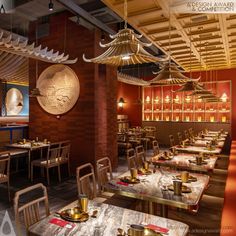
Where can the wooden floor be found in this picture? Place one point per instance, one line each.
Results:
(205, 222)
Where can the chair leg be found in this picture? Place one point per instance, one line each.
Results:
(48, 181)
(8, 188)
(69, 169)
(32, 172)
(59, 173)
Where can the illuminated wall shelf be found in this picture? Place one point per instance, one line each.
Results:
(161, 103)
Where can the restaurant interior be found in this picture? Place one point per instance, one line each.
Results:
(117, 118)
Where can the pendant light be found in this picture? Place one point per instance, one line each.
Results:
(125, 49)
(170, 73)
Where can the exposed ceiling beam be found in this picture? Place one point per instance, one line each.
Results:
(73, 7)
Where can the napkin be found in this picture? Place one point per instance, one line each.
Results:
(122, 183)
(61, 223)
(157, 228)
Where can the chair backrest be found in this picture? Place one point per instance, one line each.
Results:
(172, 140)
(53, 154)
(191, 133)
(104, 171)
(186, 134)
(140, 155)
(180, 137)
(4, 165)
(86, 182)
(31, 211)
(65, 152)
(130, 156)
(155, 146)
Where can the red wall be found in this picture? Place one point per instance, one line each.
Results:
(130, 93)
(91, 124)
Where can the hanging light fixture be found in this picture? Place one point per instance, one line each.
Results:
(170, 73)
(50, 6)
(121, 102)
(125, 49)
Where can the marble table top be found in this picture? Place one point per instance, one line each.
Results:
(28, 145)
(185, 161)
(154, 188)
(197, 149)
(109, 219)
(203, 143)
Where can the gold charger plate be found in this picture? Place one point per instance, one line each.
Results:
(185, 189)
(74, 215)
(129, 180)
(190, 178)
(165, 158)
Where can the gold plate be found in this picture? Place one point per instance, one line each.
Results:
(74, 215)
(165, 158)
(185, 189)
(129, 180)
(190, 178)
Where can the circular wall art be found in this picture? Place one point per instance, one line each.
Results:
(14, 102)
(60, 88)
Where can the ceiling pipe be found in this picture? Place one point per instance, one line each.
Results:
(73, 7)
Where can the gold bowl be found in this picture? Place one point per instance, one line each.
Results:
(74, 214)
(130, 180)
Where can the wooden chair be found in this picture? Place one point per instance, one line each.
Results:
(130, 156)
(186, 134)
(104, 172)
(64, 154)
(191, 133)
(180, 137)
(5, 170)
(51, 161)
(140, 156)
(172, 140)
(155, 147)
(31, 211)
(86, 182)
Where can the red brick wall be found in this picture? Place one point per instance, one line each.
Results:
(81, 124)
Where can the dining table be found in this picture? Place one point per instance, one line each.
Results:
(109, 219)
(156, 187)
(30, 146)
(185, 161)
(204, 143)
(198, 149)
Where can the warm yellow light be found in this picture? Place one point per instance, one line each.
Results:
(187, 118)
(121, 102)
(147, 117)
(212, 119)
(177, 118)
(157, 118)
(199, 119)
(187, 99)
(224, 97)
(199, 100)
(177, 99)
(167, 118)
(125, 57)
(223, 118)
(148, 99)
(167, 99)
(156, 100)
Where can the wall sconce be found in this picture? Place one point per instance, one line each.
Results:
(223, 118)
(148, 99)
(199, 100)
(177, 118)
(212, 119)
(157, 118)
(50, 6)
(121, 102)
(187, 99)
(147, 118)
(199, 119)
(156, 100)
(187, 118)
(167, 118)
(167, 99)
(224, 97)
